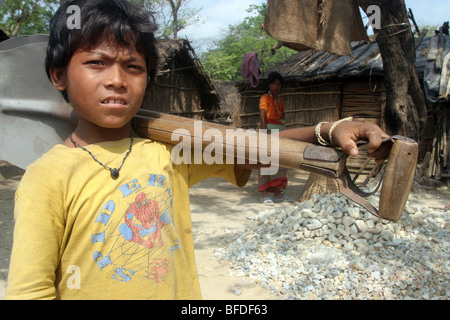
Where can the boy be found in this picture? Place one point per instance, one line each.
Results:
(105, 215)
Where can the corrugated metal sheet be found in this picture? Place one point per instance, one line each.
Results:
(436, 69)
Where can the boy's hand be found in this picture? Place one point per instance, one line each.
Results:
(346, 134)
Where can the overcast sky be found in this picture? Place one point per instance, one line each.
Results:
(221, 13)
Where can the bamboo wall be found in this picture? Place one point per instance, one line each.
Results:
(304, 106)
(174, 93)
(364, 101)
(307, 105)
(182, 87)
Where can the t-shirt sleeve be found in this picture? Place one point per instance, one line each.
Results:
(38, 234)
(237, 176)
(195, 169)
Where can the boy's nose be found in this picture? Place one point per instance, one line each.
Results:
(116, 78)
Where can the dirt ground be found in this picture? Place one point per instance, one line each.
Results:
(219, 211)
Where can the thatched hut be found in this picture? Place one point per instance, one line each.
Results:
(182, 86)
(321, 86)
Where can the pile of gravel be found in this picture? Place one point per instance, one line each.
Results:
(329, 248)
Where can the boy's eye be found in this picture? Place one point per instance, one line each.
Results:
(94, 62)
(136, 67)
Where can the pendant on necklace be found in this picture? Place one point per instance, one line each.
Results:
(114, 173)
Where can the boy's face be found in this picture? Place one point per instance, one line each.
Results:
(105, 85)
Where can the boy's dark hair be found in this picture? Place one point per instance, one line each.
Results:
(275, 76)
(127, 23)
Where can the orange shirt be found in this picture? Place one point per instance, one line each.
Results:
(274, 109)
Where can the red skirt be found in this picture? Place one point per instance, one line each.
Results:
(274, 182)
(277, 181)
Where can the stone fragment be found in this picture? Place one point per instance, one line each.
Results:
(348, 221)
(387, 235)
(315, 224)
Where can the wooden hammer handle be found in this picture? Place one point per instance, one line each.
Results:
(291, 154)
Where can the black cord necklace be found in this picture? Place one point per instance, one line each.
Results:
(114, 172)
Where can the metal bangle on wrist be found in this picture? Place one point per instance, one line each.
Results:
(321, 140)
(330, 133)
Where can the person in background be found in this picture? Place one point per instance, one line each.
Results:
(272, 117)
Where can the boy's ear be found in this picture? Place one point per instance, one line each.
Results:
(58, 77)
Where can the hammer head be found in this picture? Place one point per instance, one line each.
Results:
(398, 178)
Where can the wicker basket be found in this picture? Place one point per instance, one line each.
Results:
(318, 184)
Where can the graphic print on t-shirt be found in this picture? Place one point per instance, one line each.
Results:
(138, 237)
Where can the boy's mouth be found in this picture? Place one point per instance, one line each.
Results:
(114, 101)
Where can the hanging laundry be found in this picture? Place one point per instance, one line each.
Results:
(250, 68)
(328, 25)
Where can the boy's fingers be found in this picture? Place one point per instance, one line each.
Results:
(374, 140)
(350, 147)
(348, 133)
(382, 153)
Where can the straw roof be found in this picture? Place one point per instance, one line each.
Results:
(188, 62)
(318, 66)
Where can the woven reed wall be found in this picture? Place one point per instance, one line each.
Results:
(304, 106)
(174, 93)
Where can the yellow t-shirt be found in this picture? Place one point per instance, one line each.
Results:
(80, 234)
